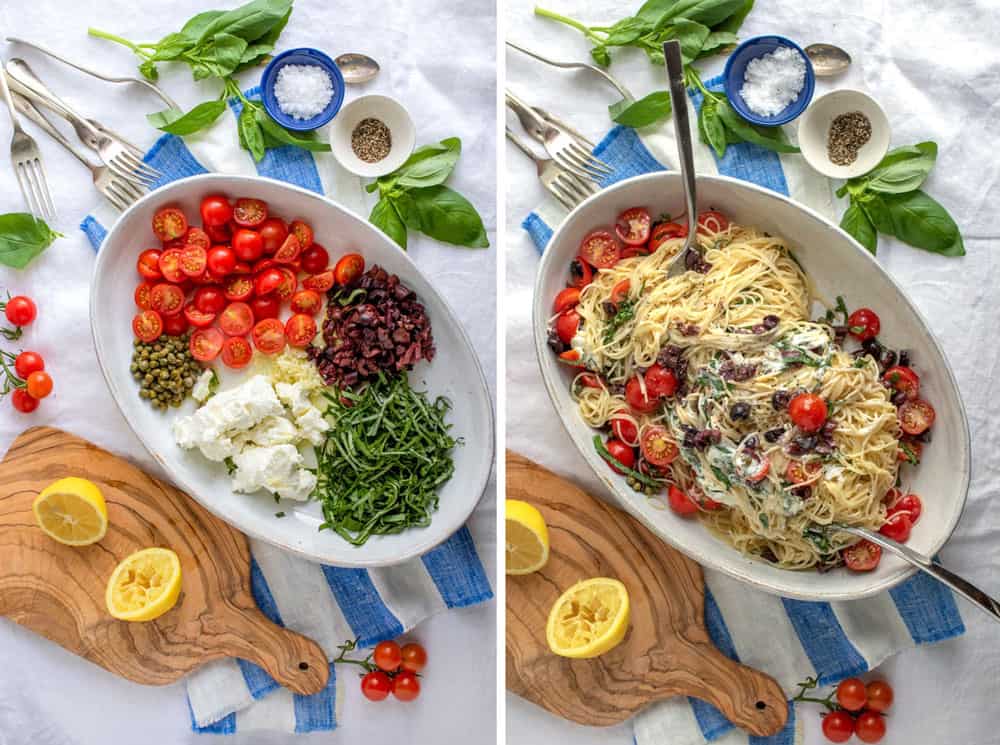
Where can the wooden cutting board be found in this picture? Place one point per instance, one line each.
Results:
(667, 651)
(58, 591)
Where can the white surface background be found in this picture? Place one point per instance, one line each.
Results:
(50, 697)
(935, 69)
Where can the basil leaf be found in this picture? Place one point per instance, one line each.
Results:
(218, 59)
(430, 165)
(442, 214)
(692, 36)
(251, 137)
(249, 22)
(196, 25)
(177, 122)
(385, 217)
(715, 42)
(710, 127)
(282, 136)
(22, 238)
(259, 51)
(772, 138)
(903, 169)
(627, 31)
(706, 12)
(172, 46)
(857, 224)
(149, 71)
(732, 23)
(922, 222)
(643, 112)
(655, 54)
(877, 211)
(601, 55)
(653, 11)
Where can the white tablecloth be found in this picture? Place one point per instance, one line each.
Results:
(50, 697)
(934, 69)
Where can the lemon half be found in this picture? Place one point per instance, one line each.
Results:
(589, 619)
(72, 511)
(527, 538)
(144, 585)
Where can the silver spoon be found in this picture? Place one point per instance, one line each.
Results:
(924, 563)
(357, 68)
(827, 59)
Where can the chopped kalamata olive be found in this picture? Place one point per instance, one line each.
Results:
(899, 398)
(740, 410)
(924, 436)
(691, 259)
(707, 437)
(770, 321)
(751, 442)
(780, 399)
(576, 271)
(904, 357)
(610, 309)
(555, 343)
(871, 346)
(803, 444)
(689, 434)
(823, 447)
(773, 435)
(829, 428)
(689, 329)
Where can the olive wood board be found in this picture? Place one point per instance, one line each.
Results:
(666, 652)
(58, 591)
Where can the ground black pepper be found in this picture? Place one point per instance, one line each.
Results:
(371, 140)
(848, 133)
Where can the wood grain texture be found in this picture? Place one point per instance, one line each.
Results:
(667, 651)
(58, 591)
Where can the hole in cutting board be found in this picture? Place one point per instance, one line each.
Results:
(305, 666)
(761, 705)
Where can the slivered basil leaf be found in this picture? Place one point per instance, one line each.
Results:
(177, 122)
(643, 112)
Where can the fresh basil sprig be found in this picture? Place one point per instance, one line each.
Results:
(219, 44)
(22, 238)
(888, 200)
(414, 197)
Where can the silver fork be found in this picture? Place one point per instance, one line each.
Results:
(565, 187)
(119, 156)
(561, 145)
(27, 162)
(118, 191)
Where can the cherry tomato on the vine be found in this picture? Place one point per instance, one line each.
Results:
(880, 696)
(21, 310)
(414, 657)
(838, 726)
(406, 686)
(870, 727)
(851, 694)
(376, 686)
(387, 656)
(28, 362)
(22, 401)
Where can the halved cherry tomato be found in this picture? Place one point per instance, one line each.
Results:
(314, 259)
(304, 233)
(197, 237)
(142, 293)
(571, 357)
(238, 288)
(263, 264)
(249, 213)
(289, 250)
(206, 344)
(209, 299)
(753, 466)
(619, 292)
(632, 226)
(221, 260)
(660, 382)
(267, 282)
(897, 526)
(169, 223)
(580, 273)
(147, 326)
(567, 298)
(657, 447)
(589, 380)
(194, 259)
(148, 264)
(629, 252)
(621, 453)
(288, 285)
(273, 232)
(864, 324)
(265, 307)
(665, 231)
(910, 451)
(712, 221)
(170, 265)
(236, 319)
(300, 330)
(215, 210)
(680, 502)
(903, 379)
(175, 325)
(909, 504)
(916, 417)
(799, 472)
(600, 249)
(236, 352)
(321, 282)
(167, 300)
(808, 412)
(269, 336)
(639, 401)
(625, 429)
(863, 556)
(567, 324)
(348, 269)
(247, 244)
(198, 318)
(307, 301)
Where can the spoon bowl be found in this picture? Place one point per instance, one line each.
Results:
(827, 59)
(357, 68)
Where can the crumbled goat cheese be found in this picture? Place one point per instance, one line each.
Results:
(773, 81)
(303, 91)
(203, 386)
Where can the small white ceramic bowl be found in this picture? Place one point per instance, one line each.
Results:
(395, 117)
(814, 127)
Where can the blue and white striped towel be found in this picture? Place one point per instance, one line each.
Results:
(789, 639)
(327, 604)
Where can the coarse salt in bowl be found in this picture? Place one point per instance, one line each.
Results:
(778, 69)
(298, 82)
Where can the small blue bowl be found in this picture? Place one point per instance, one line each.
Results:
(736, 67)
(304, 56)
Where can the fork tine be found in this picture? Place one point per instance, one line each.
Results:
(40, 211)
(596, 174)
(573, 164)
(567, 199)
(573, 186)
(555, 191)
(119, 167)
(26, 192)
(110, 195)
(591, 159)
(116, 187)
(130, 189)
(139, 165)
(43, 187)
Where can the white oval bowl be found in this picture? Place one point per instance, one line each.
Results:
(455, 373)
(838, 266)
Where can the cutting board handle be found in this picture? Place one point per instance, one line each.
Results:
(296, 662)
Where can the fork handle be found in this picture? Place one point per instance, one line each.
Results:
(533, 124)
(29, 110)
(25, 82)
(5, 89)
(520, 145)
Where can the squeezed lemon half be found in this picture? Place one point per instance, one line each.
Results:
(144, 585)
(72, 511)
(527, 540)
(589, 619)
